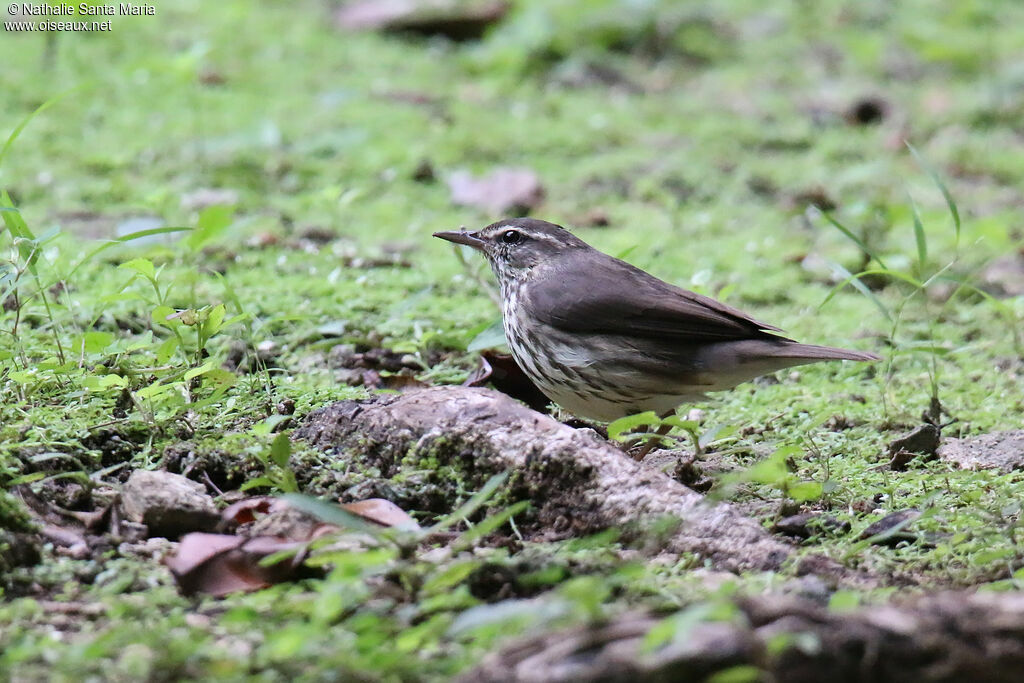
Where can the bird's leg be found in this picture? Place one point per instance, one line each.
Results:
(652, 443)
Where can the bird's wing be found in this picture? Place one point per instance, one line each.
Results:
(601, 294)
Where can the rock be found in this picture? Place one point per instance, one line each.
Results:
(169, 504)
(807, 524)
(19, 549)
(892, 529)
(998, 450)
(1004, 277)
(923, 440)
(208, 196)
(578, 483)
(502, 191)
(950, 636)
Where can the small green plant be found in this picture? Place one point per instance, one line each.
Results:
(922, 277)
(277, 466)
(625, 428)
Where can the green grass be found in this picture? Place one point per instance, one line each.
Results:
(699, 161)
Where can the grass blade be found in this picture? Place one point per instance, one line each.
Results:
(488, 525)
(25, 121)
(473, 504)
(930, 170)
(854, 281)
(853, 238)
(332, 514)
(919, 236)
(121, 240)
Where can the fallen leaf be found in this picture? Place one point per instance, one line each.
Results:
(502, 191)
(219, 564)
(892, 529)
(383, 512)
(501, 371)
(245, 511)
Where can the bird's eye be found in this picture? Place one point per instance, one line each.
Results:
(511, 237)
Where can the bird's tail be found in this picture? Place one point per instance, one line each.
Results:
(812, 352)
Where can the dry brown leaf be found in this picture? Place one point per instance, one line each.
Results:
(219, 564)
(501, 371)
(245, 510)
(383, 512)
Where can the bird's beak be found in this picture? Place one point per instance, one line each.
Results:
(470, 239)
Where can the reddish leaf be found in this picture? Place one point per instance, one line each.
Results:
(501, 371)
(244, 511)
(219, 564)
(383, 512)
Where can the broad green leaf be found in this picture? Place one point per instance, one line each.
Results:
(624, 424)
(103, 382)
(267, 426)
(201, 370)
(166, 350)
(213, 220)
(24, 376)
(155, 390)
(162, 315)
(803, 491)
(680, 423)
(844, 601)
(492, 336)
(143, 267)
(281, 450)
(258, 481)
(93, 342)
(214, 320)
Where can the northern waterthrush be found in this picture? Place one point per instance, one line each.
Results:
(604, 339)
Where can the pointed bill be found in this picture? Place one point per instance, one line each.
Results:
(470, 239)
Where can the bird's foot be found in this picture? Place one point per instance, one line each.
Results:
(639, 450)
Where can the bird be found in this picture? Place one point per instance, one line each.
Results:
(604, 339)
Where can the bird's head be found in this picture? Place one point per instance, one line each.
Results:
(517, 245)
